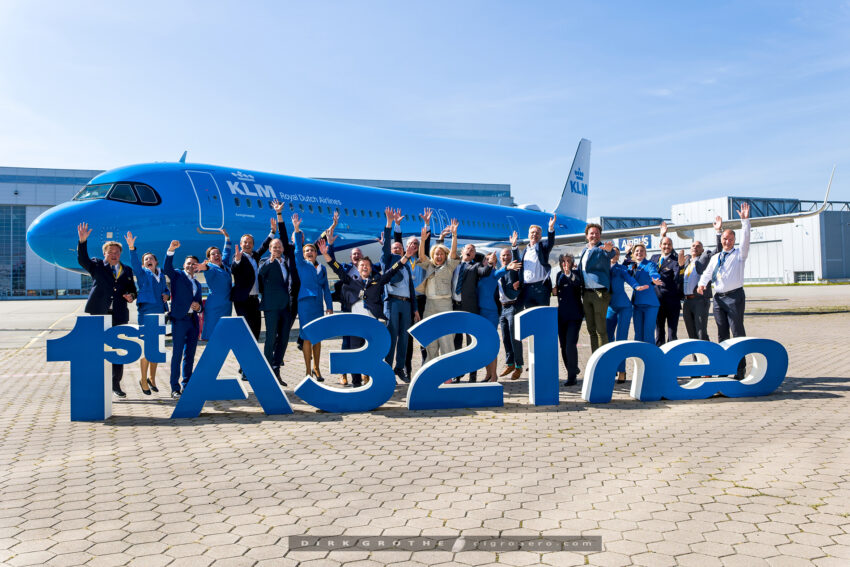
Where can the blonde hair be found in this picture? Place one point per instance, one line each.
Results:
(106, 246)
(439, 247)
(639, 245)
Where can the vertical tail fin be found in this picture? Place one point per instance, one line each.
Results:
(573, 201)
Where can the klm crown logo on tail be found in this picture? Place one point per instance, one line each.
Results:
(573, 203)
(578, 186)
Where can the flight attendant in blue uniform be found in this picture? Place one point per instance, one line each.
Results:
(619, 317)
(219, 282)
(153, 293)
(314, 290)
(487, 308)
(645, 301)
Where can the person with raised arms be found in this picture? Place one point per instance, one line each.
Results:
(112, 289)
(219, 282)
(152, 300)
(726, 272)
(185, 306)
(437, 285)
(313, 291)
(364, 294)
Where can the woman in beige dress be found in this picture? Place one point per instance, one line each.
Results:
(437, 285)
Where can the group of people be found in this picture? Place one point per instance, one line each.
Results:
(414, 280)
(668, 285)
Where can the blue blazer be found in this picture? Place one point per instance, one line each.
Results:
(314, 283)
(182, 292)
(598, 267)
(219, 280)
(644, 273)
(150, 290)
(620, 276)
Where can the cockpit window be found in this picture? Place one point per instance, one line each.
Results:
(123, 192)
(90, 192)
(146, 194)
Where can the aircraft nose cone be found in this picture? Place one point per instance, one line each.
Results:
(40, 240)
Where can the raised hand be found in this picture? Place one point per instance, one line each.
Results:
(411, 250)
(273, 224)
(552, 223)
(398, 217)
(203, 266)
(514, 239)
(454, 225)
(515, 265)
(237, 253)
(608, 246)
(628, 249)
(424, 234)
(335, 219)
(426, 216)
(296, 223)
(663, 230)
(681, 257)
(445, 232)
(718, 223)
(389, 213)
(175, 244)
(330, 236)
(323, 247)
(744, 213)
(224, 232)
(83, 231)
(131, 240)
(491, 258)
(277, 206)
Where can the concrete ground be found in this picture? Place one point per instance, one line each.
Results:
(761, 481)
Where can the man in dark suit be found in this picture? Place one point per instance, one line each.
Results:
(670, 268)
(111, 291)
(279, 285)
(695, 307)
(246, 291)
(186, 303)
(465, 289)
(400, 303)
(535, 283)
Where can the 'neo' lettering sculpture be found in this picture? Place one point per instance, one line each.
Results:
(92, 344)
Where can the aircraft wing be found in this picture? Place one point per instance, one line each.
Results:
(686, 230)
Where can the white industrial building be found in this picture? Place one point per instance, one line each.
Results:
(811, 249)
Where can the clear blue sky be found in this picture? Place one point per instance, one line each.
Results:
(682, 100)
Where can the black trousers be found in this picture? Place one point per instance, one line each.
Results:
(250, 310)
(473, 376)
(729, 316)
(695, 313)
(278, 323)
(568, 331)
(408, 361)
(668, 318)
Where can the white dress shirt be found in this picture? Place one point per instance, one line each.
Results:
(730, 275)
(532, 270)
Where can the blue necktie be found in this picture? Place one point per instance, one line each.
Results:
(461, 273)
(717, 267)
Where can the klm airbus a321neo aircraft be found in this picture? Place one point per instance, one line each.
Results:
(161, 202)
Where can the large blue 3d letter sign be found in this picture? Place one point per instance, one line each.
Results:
(657, 369)
(92, 343)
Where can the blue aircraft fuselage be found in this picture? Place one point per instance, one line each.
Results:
(161, 202)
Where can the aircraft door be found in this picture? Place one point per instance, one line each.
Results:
(514, 226)
(210, 207)
(441, 221)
